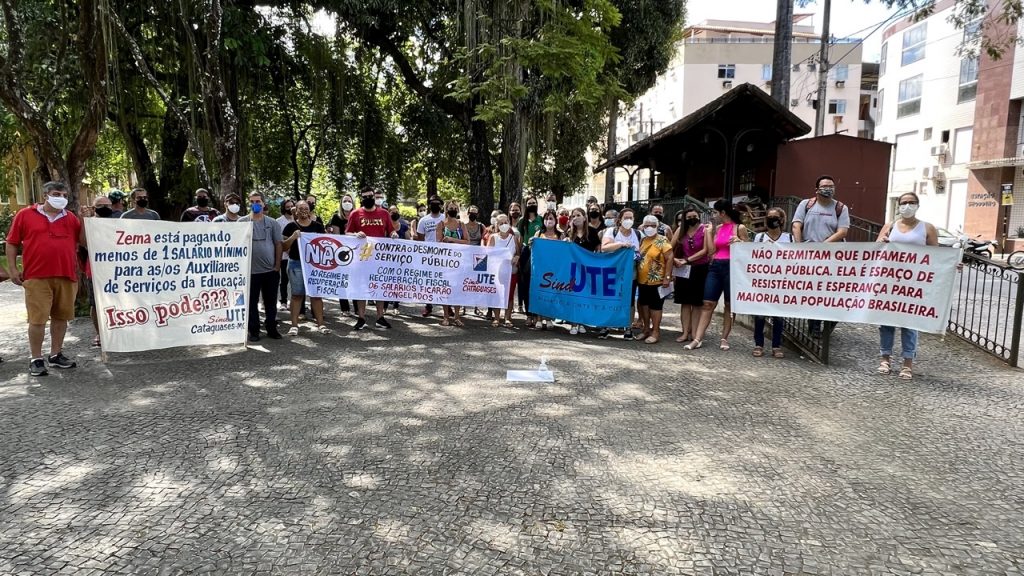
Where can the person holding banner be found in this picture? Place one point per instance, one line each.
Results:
(906, 230)
(654, 274)
(728, 233)
(303, 222)
(452, 231)
(821, 218)
(585, 236)
(140, 212)
(775, 219)
(369, 221)
(691, 246)
(337, 225)
(620, 235)
(550, 231)
(505, 238)
(265, 269)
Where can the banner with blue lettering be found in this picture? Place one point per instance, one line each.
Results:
(581, 287)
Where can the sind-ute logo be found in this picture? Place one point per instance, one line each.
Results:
(480, 263)
(327, 253)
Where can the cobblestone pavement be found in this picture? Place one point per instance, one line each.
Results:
(407, 453)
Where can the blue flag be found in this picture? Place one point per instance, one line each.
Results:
(582, 287)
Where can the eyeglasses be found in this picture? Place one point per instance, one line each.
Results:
(908, 203)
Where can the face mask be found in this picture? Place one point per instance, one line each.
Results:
(422, 213)
(531, 208)
(382, 203)
(302, 215)
(908, 210)
(453, 213)
(346, 206)
(692, 221)
(202, 201)
(516, 214)
(367, 202)
(627, 223)
(774, 222)
(104, 211)
(594, 215)
(549, 223)
(234, 208)
(563, 220)
(140, 202)
(286, 211)
(58, 202)
(435, 208)
(473, 216)
(395, 216)
(578, 221)
(257, 208)
(826, 192)
(609, 222)
(659, 217)
(648, 232)
(504, 228)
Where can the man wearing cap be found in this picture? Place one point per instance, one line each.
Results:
(140, 198)
(232, 209)
(201, 212)
(116, 198)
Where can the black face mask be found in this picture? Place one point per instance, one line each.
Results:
(202, 201)
(473, 216)
(312, 205)
(659, 217)
(435, 207)
(286, 211)
(515, 215)
(453, 213)
(367, 202)
(531, 208)
(594, 215)
(104, 211)
(142, 202)
(395, 216)
(774, 222)
(691, 222)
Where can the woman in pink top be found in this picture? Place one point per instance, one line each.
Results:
(729, 231)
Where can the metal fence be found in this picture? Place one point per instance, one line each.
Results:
(988, 306)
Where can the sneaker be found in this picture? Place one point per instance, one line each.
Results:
(254, 337)
(583, 329)
(574, 330)
(628, 334)
(37, 367)
(59, 360)
(275, 334)
(293, 331)
(360, 324)
(382, 324)
(603, 334)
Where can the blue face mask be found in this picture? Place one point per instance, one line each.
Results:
(257, 208)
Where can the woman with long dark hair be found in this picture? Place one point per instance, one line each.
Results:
(691, 246)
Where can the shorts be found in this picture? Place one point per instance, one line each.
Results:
(295, 281)
(690, 291)
(717, 283)
(648, 296)
(50, 299)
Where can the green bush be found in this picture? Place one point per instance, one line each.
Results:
(6, 217)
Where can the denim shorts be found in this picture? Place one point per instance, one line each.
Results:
(717, 282)
(295, 282)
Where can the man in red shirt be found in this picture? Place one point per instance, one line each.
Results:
(374, 222)
(49, 237)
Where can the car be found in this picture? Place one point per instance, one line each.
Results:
(947, 238)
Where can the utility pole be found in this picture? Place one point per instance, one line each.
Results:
(782, 57)
(819, 119)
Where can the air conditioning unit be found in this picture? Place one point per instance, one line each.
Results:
(936, 174)
(811, 67)
(796, 67)
(726, 83)
(939, 150)
(838, 119)
(926, 173)
(840, 83)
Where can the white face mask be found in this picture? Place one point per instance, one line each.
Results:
(648, 232)
(346, 206)
(549, 223)
(504, 228)
(627, 223)
(58, 202)
(908, 210)
(234, 208)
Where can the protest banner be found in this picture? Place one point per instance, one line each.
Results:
(579, 286)
(353, 268)
(890, 284)
(167, 284)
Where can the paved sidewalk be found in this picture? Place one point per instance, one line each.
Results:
(406, 452)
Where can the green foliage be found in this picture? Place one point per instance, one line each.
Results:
(6, 218)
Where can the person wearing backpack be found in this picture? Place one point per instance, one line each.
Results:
(821, 219)
(776, 221)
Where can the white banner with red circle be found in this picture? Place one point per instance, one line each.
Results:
(390, 270)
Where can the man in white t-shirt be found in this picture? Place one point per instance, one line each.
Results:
(426, 231)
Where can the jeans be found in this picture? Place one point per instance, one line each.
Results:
(777, 326)
(908, 341)
(265, 285)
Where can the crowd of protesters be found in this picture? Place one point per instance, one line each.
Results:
(685, 259)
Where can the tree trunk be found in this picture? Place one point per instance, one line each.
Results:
(174, 145)
(481, 177)
(431, 180)
(609, 173)
(513, 156)
(783, 55)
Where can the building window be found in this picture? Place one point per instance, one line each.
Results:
(20, 193)
(972, 30)
(881, 62)
(968, 88)
(910, 97)
(913, 44)
(927, 134)
(837, 106)
(727, 71)
(881, 100)
(841, 72)
(766, 72)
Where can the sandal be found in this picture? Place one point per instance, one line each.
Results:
(884, 367)
(509, 324)
(684, 338)
(293, 331)
(724, 345)
(96, 342)
(777, 353)
(323, 329)
(650, 340)
(906, 373)
(458, 322)
(758, 351)
(495, 323)
(445, 322)
(693, 345)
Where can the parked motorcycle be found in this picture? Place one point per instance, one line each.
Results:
(983, 248)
